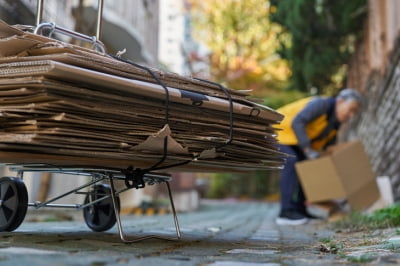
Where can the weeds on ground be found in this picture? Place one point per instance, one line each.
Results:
(361, 259)
(326, 240)
(383, 218)
(330, 246)
(361, 222)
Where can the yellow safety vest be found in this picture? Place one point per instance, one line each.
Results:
(287, 136)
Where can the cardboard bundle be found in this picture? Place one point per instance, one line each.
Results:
(66, 105)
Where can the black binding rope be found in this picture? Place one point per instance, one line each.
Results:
(134, 177)
(230, 126)
(230, 111)
(159, 81)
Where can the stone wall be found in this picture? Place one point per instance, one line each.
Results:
(375, 71)
(378, 123)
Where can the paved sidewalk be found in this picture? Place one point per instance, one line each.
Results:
(220, 233)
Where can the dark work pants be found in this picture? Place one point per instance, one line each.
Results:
(292, 195)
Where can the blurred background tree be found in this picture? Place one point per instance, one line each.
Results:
(243, 44)
(321, 35)
(257, 184)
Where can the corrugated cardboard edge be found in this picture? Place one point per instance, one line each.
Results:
(311, 175)
(156, 142)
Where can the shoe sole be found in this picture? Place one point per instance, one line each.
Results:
(285, 221)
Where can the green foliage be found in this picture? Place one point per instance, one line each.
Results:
(325, 240)
(280, 98)
(322, 37)
(364, 258)
(243, 44)
(383, 218)
(256, 184)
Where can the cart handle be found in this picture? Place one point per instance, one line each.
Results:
(54, 28)
(95, 40)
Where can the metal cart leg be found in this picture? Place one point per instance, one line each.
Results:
(178, 231)
(119, 224)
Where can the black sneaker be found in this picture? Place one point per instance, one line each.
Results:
(291, 217)
(310, 216)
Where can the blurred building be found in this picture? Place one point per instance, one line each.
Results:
(171, 35)
(374, 70)
(178, 51)
(24, 12)
(130, 25)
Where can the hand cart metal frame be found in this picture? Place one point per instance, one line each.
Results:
(98, 196)
(14, 196)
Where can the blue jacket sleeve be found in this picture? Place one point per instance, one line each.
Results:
(313, 110)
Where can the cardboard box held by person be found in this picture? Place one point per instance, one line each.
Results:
(344, 173)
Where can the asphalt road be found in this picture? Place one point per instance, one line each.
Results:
(219, 233)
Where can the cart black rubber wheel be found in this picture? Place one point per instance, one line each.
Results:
(13, 203)
(100, 216)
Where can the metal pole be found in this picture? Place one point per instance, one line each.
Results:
(178, 231)
(42, 204)
(99, 19)
(39, 13)
(119, 223)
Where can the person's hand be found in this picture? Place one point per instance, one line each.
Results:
(311, 153)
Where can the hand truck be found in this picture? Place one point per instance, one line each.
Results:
(102, 204)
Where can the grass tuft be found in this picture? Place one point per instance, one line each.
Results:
(384, 218)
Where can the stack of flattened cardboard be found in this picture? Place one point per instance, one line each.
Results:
(65, 105)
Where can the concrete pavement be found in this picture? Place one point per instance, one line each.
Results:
(220, 233)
